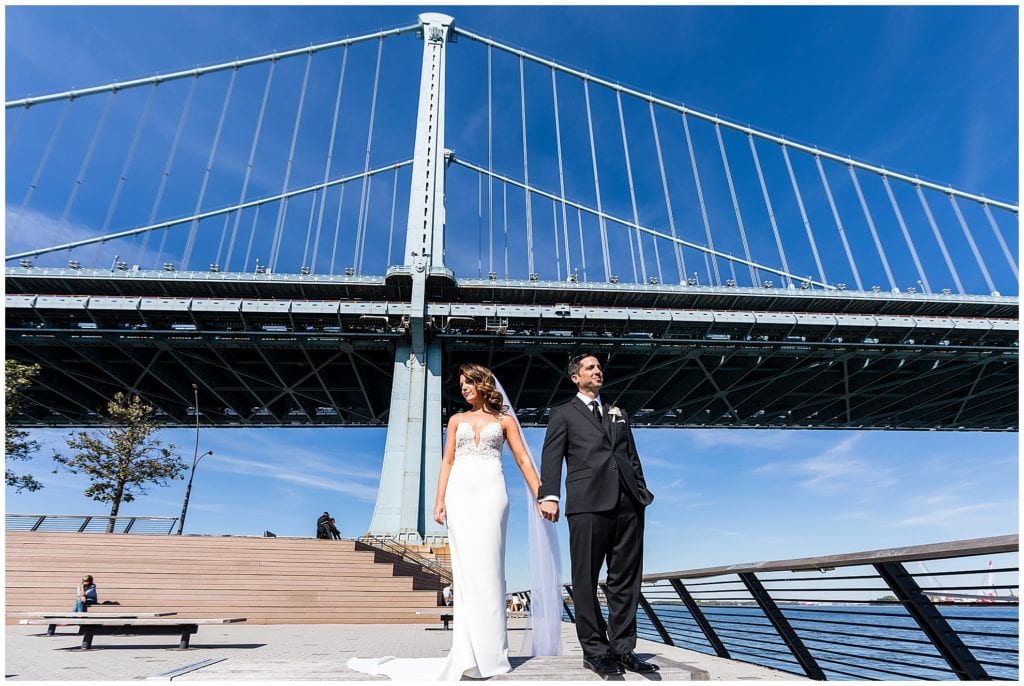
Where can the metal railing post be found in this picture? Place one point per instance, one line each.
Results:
(700, 618)
(655, 620)
(782, 626)
(939, 632)
(565, 604)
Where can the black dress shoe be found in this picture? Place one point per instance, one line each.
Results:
(602, 665)
(631, 662)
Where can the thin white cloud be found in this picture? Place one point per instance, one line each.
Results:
(30, 229)
(837, 470)
(364, 492)
(290, 454)
(208, 507)
(945, 514)
(723, 532)
(857, 516)
(743, 438)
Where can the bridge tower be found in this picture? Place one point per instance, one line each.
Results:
(412, 451)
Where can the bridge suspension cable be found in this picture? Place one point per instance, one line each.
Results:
(76, 187)
(732, 125)
(123, 176)
(839, 222)
(863, 249)
(248, 170)
(768, 203)
(561, 173)
(330, 159)
(732, 195)
(207, 171)
(787, 240)
(200, 71)
(167, 167)
(938, 239)
(906, 235)
(703, 206)
(193, 109)
(803, 214)
(1002, 242)
(283, 207)
(597, 187)
(970, 241)
(526, 170)
(364, 191)
(871, 224)
(637, 227)
(632, 197)
(680, 265)
(39, 170)
(207, 215)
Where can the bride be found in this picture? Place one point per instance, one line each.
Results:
(472, 502)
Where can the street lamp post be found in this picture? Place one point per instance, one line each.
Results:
(196, 457)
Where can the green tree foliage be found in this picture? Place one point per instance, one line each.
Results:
(121, 461)
(17, 445)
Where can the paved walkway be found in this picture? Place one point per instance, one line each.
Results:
(251, 652)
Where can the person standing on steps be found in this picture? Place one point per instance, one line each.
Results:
(605, 499)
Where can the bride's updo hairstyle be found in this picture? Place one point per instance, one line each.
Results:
(483, 379)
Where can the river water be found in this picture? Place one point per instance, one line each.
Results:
(850, 642)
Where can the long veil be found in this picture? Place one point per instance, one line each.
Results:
(545, 565)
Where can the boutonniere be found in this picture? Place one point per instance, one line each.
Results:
(615, 413)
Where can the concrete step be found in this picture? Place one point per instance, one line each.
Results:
(570, 668)
(563, 668)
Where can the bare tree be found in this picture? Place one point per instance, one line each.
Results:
(121, 461)
(17, 445)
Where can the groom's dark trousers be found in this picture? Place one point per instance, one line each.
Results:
(604, 504)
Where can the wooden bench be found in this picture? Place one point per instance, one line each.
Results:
(447, 614)
(76, 615)
(93, 625)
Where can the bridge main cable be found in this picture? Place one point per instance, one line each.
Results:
(200, 71)
(778, 140)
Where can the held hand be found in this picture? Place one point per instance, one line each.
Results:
(549, 510)
(440, 514)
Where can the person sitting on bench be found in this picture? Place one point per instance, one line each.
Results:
(86, 596)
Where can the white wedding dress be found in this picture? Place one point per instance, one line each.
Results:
(477, 505)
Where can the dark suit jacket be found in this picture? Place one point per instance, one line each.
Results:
(597, 456)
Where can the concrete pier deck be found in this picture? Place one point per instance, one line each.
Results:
(294, 652)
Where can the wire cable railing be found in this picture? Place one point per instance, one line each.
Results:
(94, 524)
(877, 615)
(389, 545)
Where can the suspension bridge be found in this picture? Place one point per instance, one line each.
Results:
(306, 238)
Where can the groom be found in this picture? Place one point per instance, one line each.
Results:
(605, 497)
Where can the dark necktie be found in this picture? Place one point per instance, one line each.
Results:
(596, 409)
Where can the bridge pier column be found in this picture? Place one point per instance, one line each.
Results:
(412, 452)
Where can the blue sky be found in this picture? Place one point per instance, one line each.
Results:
(931, 91)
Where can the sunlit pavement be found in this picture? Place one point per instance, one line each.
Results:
(244, 652)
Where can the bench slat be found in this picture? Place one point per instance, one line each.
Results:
(97, 615)
(87, 621)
